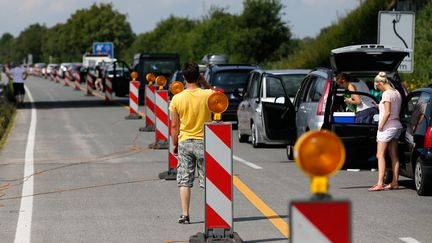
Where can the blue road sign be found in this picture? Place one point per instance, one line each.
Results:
(103, 48)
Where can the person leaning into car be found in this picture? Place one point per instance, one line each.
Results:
(389, 130)
(365, 106)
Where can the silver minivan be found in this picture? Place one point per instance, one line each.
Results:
(261, 113)
(319, 103)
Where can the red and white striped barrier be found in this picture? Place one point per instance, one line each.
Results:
(89, 81)
(76, 77)
(57, 77)
(171, 174)
(67, 78)
(133, 100)
(218, 177)
(150, 94)
(108, 90)
(218, 184)
(162, 120)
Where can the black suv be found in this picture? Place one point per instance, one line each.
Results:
(230, 78)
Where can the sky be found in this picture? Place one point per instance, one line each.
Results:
(304, 17)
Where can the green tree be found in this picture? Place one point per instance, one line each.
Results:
(261, 31)
(99, 23)
(6, 42)
(30, 41)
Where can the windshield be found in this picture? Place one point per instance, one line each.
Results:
(160, 67)
(291, 82)
(231, 78)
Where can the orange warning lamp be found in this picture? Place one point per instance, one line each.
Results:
(134, 75)
(161, 81)
(319, 154)
(150, 78)
(176, 87)
(217, 103)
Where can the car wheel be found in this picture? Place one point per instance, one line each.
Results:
(290, 152)
(420, 179)
(242, 137)
(254, 132)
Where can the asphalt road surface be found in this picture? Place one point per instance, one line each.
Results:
(75, 170)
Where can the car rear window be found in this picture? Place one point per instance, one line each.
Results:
(292, 82)
(231, 78)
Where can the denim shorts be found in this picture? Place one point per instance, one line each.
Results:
(190, 156)
(388, 134)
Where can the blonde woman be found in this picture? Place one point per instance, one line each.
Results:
(389, 130)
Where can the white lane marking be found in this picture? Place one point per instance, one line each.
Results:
(409, 240)
(23, 231)
(250, 164)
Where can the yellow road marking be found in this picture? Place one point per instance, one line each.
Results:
(274, 218)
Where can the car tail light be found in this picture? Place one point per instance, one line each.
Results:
(219, 89)
(428, 138)
(323, 99)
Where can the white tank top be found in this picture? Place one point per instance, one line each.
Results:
(366, 102)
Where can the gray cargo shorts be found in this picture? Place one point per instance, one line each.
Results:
(190, 156)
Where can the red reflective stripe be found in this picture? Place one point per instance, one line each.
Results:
(332, 219)
(213, 220)
(218, 176)
(223, 132)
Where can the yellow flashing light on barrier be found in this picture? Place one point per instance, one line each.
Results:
(217, 103)
(176, 87)
(150, 78)
(134, 75)
(161, 81)
(319, 154)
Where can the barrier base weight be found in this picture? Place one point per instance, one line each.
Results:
(201, 238)
(169, 175)
(133, 117)
(150, 128)
(159, 145)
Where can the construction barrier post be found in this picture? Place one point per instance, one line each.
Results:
(76, 81)
(108, 90)
(133, 101)
(218, 185)
(161, 113)
(171, 173)
(150, 94)
(66, 79)
(89, 81)
(320, 154)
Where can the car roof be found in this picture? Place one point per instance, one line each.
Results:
(220, 67)
(288, 71)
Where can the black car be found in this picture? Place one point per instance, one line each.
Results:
(231, 79)
(415, 143)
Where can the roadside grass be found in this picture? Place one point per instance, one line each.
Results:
(7, 118)
(7, 114)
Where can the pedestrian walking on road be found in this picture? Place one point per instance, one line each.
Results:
(365, 106)
(189, 112)
(389, 130)
(98, 81)
(18, 74)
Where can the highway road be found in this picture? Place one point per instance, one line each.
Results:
(74, 170)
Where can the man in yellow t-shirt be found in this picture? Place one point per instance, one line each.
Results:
(189, 112)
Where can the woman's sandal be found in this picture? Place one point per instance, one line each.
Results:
(390, 187)
(376, 188)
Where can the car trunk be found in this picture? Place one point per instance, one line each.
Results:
(358, 138)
